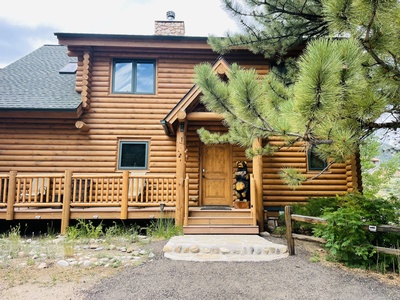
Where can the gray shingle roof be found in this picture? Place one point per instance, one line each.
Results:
(34, 83)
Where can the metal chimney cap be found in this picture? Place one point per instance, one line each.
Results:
(170, 15)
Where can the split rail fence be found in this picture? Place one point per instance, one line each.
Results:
(290, 236)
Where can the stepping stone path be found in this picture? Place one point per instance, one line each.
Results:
(223, 248)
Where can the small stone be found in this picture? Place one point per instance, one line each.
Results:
(257, 251)
(112, 247)
(94, 246)
(206, 250)
(272, 250)
(151, 255)
(185, 250)
(21, 254)
(62, 263)
(264, 233)
(87, 263)
(178, 249)
(214, 250)
(224, 250)
(167, 248)
(42, 265)
(195, 249)
(130, 250)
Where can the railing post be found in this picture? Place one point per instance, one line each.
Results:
(185, 221)
(252, 199)
(11, 195)
(289, 236)
(66, 207)
(124, 202)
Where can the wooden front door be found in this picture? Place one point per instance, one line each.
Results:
(216, 175)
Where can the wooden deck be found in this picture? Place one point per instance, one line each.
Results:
(125, 196)
(69, 196)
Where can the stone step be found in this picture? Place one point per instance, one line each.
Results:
(223, 248)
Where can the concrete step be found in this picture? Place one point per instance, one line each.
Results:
(220, 229)
(223, 248)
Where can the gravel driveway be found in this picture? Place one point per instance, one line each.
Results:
(294, 277)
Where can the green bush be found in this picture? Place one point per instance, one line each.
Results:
(347, 241)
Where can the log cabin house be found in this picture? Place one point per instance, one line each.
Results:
(104, 127)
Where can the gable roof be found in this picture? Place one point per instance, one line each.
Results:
(33, 83)
(192, 98)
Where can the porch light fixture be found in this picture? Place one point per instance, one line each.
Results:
(182, 126)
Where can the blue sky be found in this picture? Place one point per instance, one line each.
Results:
(25, 25)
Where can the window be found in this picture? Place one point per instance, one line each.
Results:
(133, 155)
(134, 77)
(315, 163)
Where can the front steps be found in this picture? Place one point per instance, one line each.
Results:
(210, 221)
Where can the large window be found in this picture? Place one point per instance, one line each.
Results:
(133, 155)
(315, 163)
(134, 77)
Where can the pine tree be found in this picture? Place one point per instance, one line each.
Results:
(331, 97)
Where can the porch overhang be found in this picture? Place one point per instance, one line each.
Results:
(189, 102)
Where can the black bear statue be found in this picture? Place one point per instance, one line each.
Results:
(242, 186)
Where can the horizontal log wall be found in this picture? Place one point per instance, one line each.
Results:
(55, 145)
(338, 180)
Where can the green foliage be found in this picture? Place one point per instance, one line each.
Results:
(84, 229)
(332, 96)
(377, 178)
(347, 241)
(292, 177)
(163, 228)
(122, 231)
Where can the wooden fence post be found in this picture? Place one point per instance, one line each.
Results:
(289, 237)
(125, 188)
(66, 208)
(11, 195)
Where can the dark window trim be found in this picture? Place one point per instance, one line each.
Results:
(310, 167)
(120, 146)
(134, 79)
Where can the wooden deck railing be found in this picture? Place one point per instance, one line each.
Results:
(49, 190)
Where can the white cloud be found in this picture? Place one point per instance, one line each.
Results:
(119, 16)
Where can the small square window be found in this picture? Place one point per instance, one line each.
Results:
(315, 163)
(133, 155)
(134, 77)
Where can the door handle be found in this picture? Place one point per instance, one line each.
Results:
(202, 172)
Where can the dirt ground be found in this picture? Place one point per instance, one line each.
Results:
(304, 276)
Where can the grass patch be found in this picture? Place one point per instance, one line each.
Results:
(163, 228)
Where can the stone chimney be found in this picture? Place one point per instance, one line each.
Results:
(170, 26)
